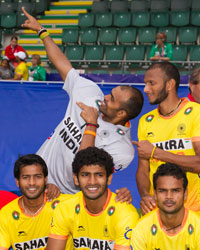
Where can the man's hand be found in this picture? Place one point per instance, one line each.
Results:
(52, 191)
(123, 195)
(147, 204)
(89, 114)
(144, 148)
(31, 23)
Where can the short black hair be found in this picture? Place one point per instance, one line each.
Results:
(134, 104)
(93, 156)
(195, 76)
(27, 160)
(14, 37)
(170, 70)
(170, 169)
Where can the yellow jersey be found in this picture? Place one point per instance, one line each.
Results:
(149, 234)
(109, 229)
(22, 70)
(175, 134)
(26, 232)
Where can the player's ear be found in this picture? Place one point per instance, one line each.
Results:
(109, 179)
(122, 114)
(17, 182)
(185, 194)
(171, 84)
(76, 182)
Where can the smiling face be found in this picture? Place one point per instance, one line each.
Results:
(93, 182)
(170, 194)
(113, 103)
(155, 86)
(31, 181)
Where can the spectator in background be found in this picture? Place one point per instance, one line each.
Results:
(6, 72)
(13, 48)
(36, 71)
(21, 72)
(161, 50)
(194, 86)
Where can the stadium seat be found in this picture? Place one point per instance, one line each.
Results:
(7, 8)
(179, 53)
(21, 18)
(76, 53)
(188, 35)
(86, 20)
(98, 6)
(95, 52)
(8, 20)
(159, 13)
(40, 6)
(146, 35)
(119, 6)
(114, 53)
(180, 12)
(122, 19)
(140, 13)
(70, 36)
(29, 7)
(108, 35)
(127, 35)
(171, 33)
(148, 51)
(136, 52)
(89, 35)
(195, 13)
(103, 19)
(195, 53)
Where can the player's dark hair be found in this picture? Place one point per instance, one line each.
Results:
(170, 169)
(14, 37)
(170, 70)
(93, 156)
(28, 160)
(134, 104)
(195, 76)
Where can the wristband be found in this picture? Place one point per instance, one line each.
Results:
(153, 152)
(92, 125)
(88, 132)
(43, 35)
(41, 30)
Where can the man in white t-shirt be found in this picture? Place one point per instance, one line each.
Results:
(91, 119)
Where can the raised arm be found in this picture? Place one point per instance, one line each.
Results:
(59, 60)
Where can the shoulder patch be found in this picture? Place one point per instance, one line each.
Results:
(111, 211)
(54, 204)
(154, 229)
(188, 110)
(120, 131)
(77, 208)
(98, 102)
(149, 118)
(16, 215)
(190, 229)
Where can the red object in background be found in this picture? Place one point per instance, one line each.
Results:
(6, 197)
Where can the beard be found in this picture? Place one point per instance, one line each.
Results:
(161, 97)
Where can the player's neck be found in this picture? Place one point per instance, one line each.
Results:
(32, 206)
(169, 106)
(172, 223)
(96, 206)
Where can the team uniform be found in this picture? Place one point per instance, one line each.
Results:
(22, 231)
(175, 134)
(107, 230)
(149, 233)
(59, 150)
(22, 70)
